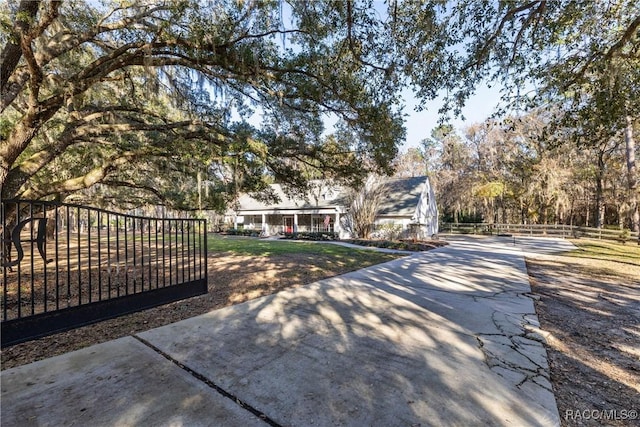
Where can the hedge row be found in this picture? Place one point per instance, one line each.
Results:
(319, 235)
(248, 233)
(398, 245)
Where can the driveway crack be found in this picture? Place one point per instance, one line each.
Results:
(211, 384)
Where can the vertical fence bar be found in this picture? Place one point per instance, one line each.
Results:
(176, 221)
(133, 238)
(196, 246)
(109, 255)
(44, 260)
(126, 258)
(170, 251)
(164, 261)
(68, 256)
(118, 275)
(80, 231)
(206, 255)
(170, 255)
(79, 220)
(149, 252)
(147, 244)
(19, 267)
(6, 241)
(141, 226)
(157, 255)
(202, 241)
(188, 251)
(99, 219)
(57, 243)
(182, 246)
(89, 253)
(142, 222)
(195, 228)
(174, 240)
(31, 261)
(197, 262)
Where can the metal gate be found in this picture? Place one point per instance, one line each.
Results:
(67, 265)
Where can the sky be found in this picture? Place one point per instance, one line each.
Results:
(420, 124)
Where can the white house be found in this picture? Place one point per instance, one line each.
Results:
(410, 204)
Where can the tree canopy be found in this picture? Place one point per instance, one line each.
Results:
(150, 102)
(141, 95)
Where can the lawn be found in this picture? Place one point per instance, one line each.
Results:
(256, 247)
(609, 255)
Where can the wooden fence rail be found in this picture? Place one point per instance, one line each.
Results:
(551, 230)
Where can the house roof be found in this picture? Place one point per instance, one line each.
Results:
(402, 200)
(325, 198)
(403, 196)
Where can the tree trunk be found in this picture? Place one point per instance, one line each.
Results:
(620, 211)
(632, 176)
(571, 214)
(199, 181)
(588, 214)
(599, 191)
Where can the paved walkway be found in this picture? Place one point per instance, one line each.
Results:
(447, 337)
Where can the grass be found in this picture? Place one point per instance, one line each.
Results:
(266, 248)
(607, 250)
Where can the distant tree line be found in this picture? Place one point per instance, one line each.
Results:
(513, 171)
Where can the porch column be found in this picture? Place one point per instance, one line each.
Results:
(336, 224)
(264, 223)
(295, 222)
(235, 222)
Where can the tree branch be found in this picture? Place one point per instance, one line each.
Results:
(12, 51)
(93, 177)
(482, 53)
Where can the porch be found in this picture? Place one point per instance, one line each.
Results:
(289, 222)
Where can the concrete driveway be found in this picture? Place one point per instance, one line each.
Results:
(447, 337)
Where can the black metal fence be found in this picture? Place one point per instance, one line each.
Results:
(66, 265)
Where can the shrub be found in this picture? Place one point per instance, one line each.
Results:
(403, 245)
(305, 235)
(387, 232)
(624, 235)
(242, 232)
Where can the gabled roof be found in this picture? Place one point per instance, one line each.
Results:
(403, 197)
(326, 198)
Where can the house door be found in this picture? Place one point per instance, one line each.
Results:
(288, 224)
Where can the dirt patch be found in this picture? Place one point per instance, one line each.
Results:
(593, 316)
(232, 279)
